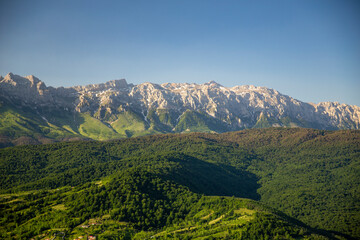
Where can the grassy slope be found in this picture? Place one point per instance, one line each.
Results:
(128, 124)
(264, 122)
(192, 121)
(16, 124)
(95, 129)
(30, 127)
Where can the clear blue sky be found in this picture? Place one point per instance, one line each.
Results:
(307, 49)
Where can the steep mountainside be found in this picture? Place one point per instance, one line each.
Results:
(116, 109)
(159, 186)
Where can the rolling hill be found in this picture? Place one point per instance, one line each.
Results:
(274, 183)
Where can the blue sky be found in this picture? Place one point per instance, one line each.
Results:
(307, 49)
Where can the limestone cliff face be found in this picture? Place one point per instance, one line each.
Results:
(237, 107)
(30, 91)
(27, 88)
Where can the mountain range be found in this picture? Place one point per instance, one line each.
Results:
(33, 113)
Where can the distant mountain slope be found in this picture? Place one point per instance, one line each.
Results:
(161, 184)
(124, 110)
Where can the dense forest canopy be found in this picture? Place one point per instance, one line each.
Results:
(160, 185)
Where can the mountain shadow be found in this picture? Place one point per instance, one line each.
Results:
(212, 178)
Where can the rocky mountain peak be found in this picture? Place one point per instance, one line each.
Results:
(13, 82)
(9, 75)
(33, 80)
(13, 79)
(120, 83)
(113, 84)
(213, 84)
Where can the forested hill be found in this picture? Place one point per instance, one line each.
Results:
(155, 186)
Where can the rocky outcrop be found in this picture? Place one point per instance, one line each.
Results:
(238, 107)
(30, 91)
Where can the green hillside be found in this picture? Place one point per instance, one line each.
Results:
(129, 124)
(193, 121)
(19, 126)
(141, 205)
(158, 186)
(97, 130)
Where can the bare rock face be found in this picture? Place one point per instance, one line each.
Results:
(26, 88)
(237, 107)
(114, 84)
(30, 91)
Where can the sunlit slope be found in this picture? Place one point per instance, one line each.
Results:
(18, 127)
(193, 121)
(95, 129)
(140, 204)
